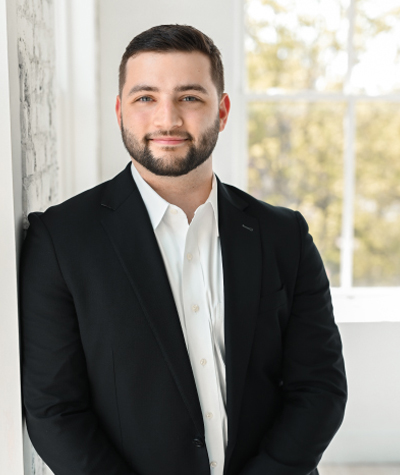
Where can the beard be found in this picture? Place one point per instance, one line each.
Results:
(164, 165)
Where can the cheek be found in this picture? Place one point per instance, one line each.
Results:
(137, 122)
(198, 122)
(136, 112)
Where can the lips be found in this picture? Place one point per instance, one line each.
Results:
(168, 140)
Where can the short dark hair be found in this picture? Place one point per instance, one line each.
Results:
(166, 38)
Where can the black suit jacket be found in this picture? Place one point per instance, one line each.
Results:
(107, 382)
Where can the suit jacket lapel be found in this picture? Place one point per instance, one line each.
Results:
(129, 228)
(241, 257)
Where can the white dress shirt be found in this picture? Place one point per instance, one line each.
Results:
(192, 258)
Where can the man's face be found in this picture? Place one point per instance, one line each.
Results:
(169, 111)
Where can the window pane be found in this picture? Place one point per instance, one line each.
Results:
(377, 46)
(377, 203)
(296, 160)
(296, 45)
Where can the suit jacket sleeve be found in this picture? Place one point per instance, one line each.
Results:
(313, 387)
(61, 423)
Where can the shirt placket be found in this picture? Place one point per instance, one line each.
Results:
(198, 321)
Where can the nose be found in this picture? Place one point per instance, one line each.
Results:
(167, 115)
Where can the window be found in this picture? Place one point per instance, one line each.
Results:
(323, 114)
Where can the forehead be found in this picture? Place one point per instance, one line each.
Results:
(168, 69)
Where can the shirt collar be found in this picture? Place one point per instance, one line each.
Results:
(157, 206)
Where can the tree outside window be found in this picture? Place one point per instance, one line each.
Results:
(323, 107)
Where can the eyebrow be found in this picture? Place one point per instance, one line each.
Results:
(183, 88)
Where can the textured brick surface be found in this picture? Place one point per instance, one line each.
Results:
(36, 56)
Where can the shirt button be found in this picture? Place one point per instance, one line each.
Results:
(189, 256)
(213, 464)
(195, 308)
(203, 362)
(198, 442)
(209, 415)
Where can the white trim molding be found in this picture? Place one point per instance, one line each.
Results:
(366, 304)
(77, 95)
(11, 439)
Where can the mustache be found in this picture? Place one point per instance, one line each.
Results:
(166, 133)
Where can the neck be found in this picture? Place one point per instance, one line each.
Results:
(187, 192)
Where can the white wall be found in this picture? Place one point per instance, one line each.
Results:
(119, 22)
(371, 431)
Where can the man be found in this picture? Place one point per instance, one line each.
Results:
(172, 324)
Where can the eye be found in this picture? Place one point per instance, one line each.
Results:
(144, 99)
(190, 99)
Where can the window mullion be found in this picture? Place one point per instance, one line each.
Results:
(347, 239)
(311, 96)
(240, 159)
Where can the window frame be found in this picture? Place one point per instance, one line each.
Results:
(352, 304)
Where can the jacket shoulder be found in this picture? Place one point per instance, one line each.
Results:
(87, 204)
(261, 209)
(81, 204)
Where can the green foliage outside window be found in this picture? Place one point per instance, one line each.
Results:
(296, 148)
(377, 200)
(296, 161)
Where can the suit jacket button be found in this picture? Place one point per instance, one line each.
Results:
(198, 442)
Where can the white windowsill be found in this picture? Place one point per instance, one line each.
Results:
(366, 304)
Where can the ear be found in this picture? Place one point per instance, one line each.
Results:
(118, 110)
(224, 108)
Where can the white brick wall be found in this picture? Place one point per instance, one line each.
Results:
(36, 57)
(37, 76)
